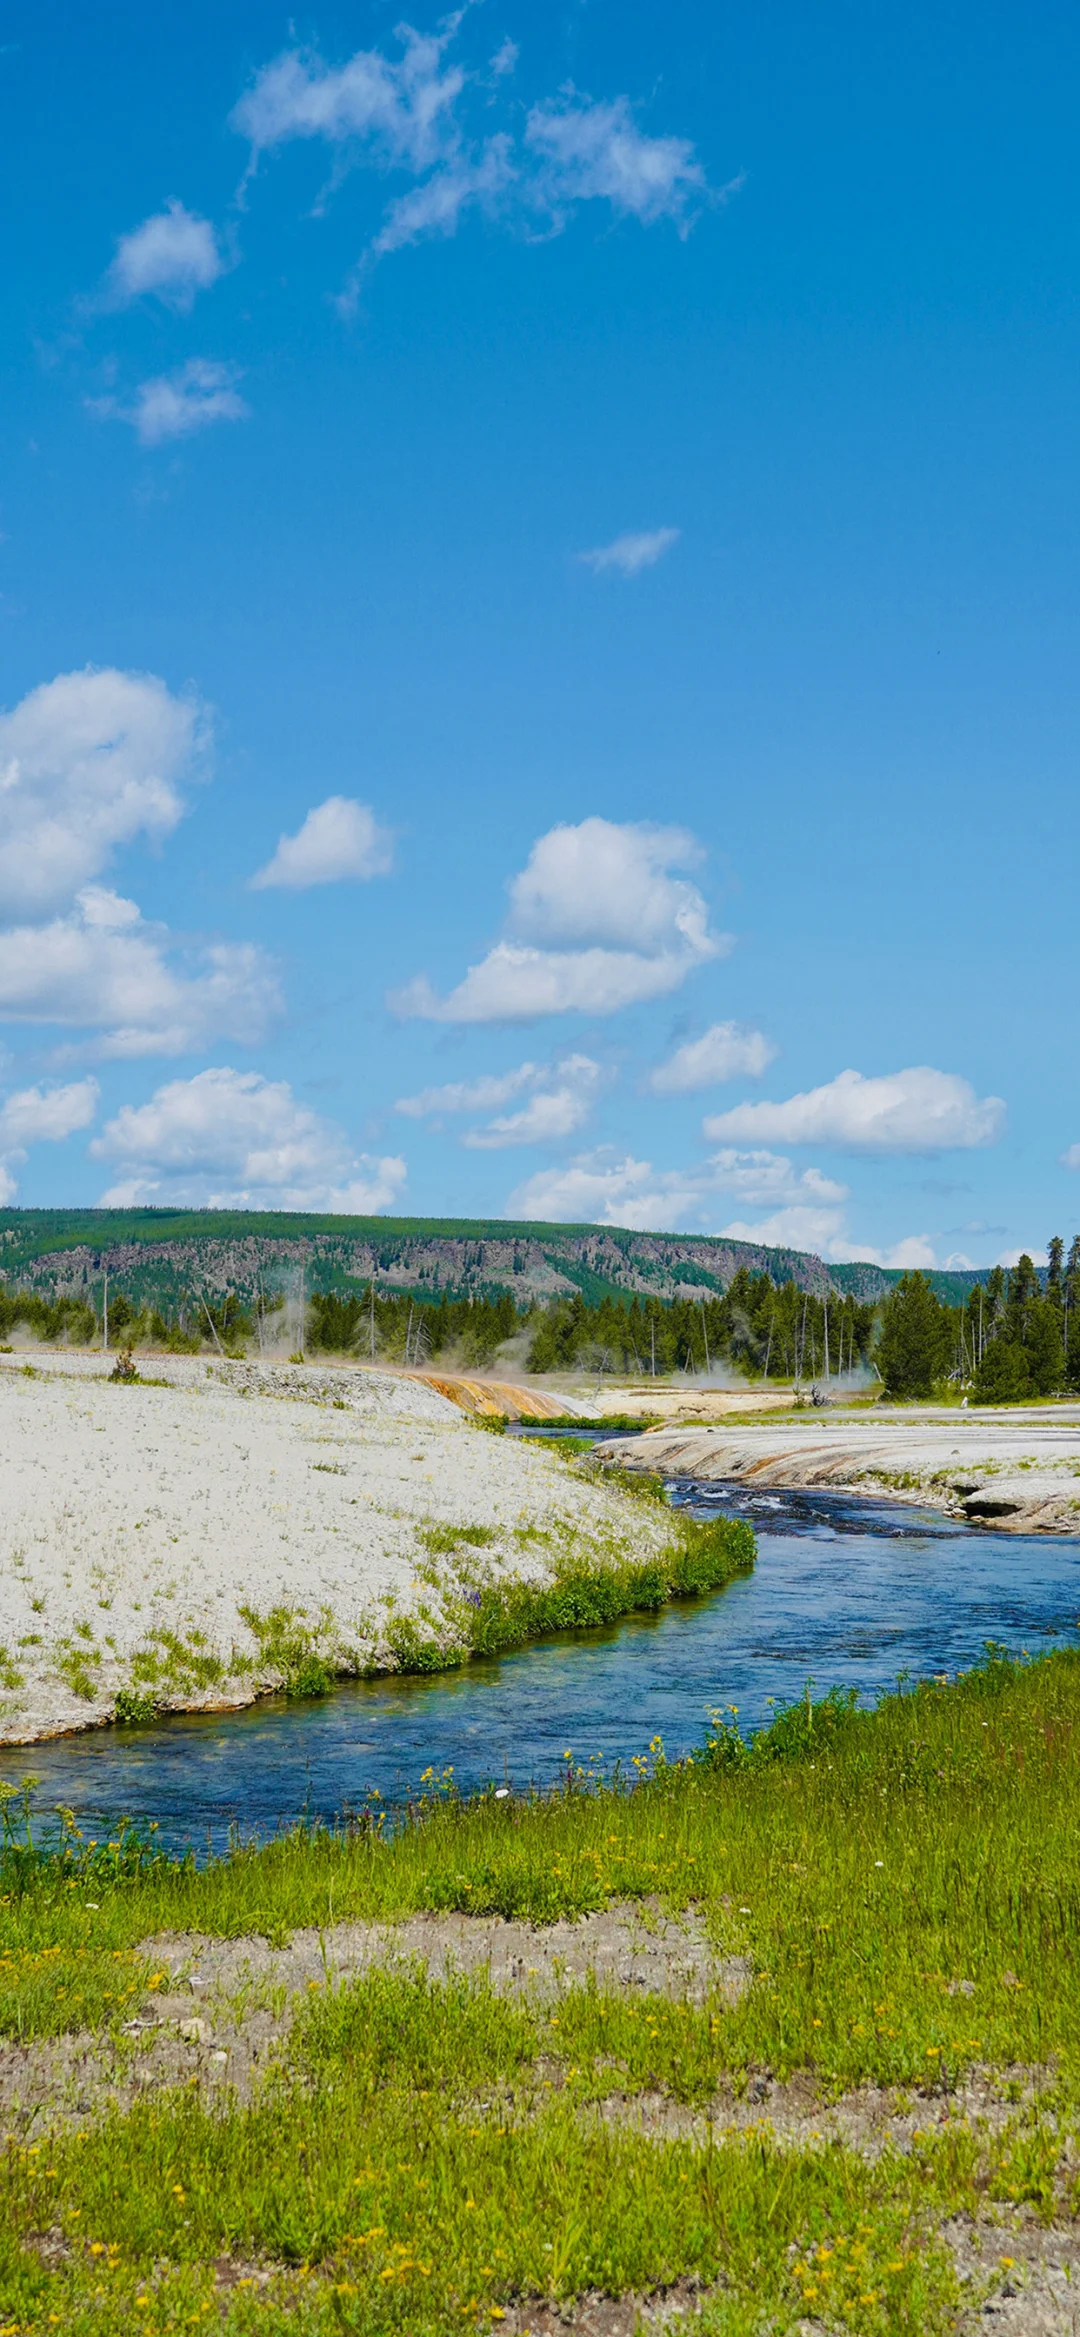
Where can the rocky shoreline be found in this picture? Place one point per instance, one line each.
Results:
(1017, 1468)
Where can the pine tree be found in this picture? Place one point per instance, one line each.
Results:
(916, 1339)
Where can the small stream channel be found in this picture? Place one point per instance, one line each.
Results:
(845, 1591)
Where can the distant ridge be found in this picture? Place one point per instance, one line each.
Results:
(164, 1255)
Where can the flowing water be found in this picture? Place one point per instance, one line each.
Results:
(844, 1591)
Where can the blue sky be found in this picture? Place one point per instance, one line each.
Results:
(538, 610)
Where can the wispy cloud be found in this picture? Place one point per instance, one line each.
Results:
(629, 554)
(177, 404)
(594, 152)
(560, 1097)
(174, 255)
(424, 116)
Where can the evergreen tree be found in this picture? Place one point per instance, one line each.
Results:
(1055, 1252)
(1043, 1348)
(1023, 1291)
(1003, 1376)
(916, 1339)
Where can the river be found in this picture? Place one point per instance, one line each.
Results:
(845, 1591)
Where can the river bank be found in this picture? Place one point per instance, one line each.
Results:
(214, 1532)
(783, 2037)
(1017, 1467)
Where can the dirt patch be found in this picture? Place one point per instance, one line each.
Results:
(633, 1946)
(867, 2120)
(223, 2013)
(1035, 2270)
(593, 2315)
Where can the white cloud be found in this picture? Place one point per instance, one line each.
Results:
(588, 152)
(728, 1050)
(630, 554)
(602, 1188)
(173, 254)
(403, 110)
(919, 1110)
(471, 1095)
(90, 762)
(596, 922)
(1071, 1158)
(410, 114)
(339, 839)
(174, 405)
(235, 1139)
(96, 972)
(557, 1109)
(39, 1115)
(87, 762)
(435, 206)
(916, 1251)
(562, 1097)
(1012, 1257)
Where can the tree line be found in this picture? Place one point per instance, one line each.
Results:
(754, 1325)
(1016, 1335)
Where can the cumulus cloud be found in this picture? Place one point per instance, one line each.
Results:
(131, 982)
(235, 1139)
(728, 1050)
(561, 1098)
(1071, 1158)
(37, 1115)
(426, 117)
(919, 1110)
(45, 1115)
(340, 839)
(175, 405)
(597, 921)
(88, 762)
(628, 555)
(804, 1210)
(173, 254)
(603, 1188)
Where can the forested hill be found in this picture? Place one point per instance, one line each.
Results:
(165, 1257)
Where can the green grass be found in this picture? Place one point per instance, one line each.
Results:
(904, 1883)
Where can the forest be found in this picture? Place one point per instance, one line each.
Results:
(1014, 1336)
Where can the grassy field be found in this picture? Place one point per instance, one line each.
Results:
(427, 2155)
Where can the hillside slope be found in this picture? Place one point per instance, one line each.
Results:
(167, 1257)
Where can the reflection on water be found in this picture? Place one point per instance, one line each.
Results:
(844, 1591)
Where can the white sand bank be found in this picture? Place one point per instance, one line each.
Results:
(1018, 1469)
(137, 1522)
